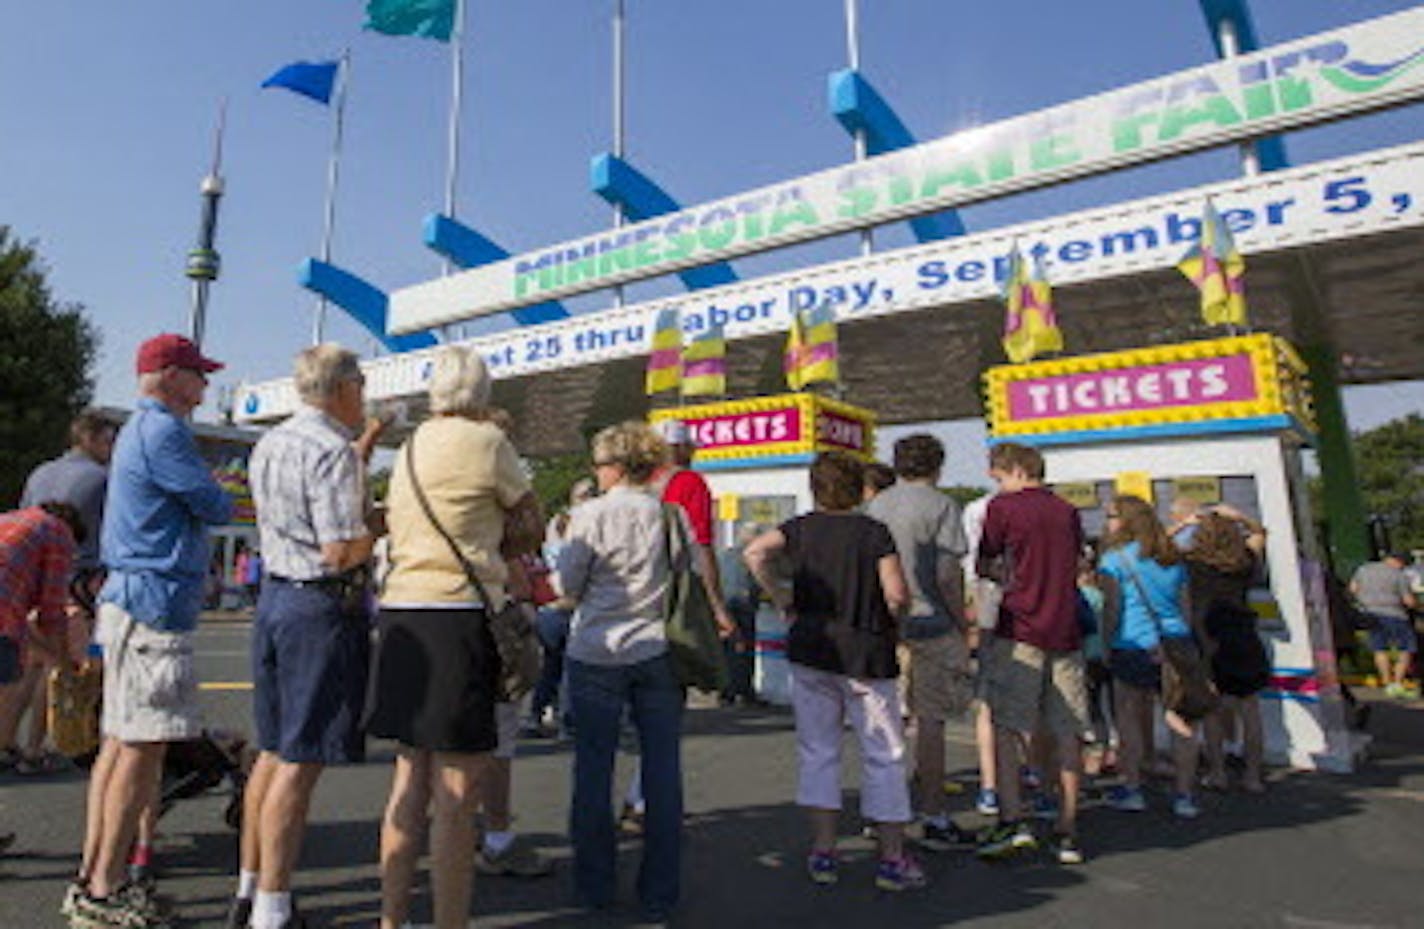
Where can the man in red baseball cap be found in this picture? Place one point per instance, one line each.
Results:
(161, 500)
(173, 351)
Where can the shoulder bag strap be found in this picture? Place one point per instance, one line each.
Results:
(1142, 592)
(464, 562)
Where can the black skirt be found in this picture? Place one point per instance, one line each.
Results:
(433, 680)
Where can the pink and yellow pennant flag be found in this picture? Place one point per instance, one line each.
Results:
(1218, 270)
(793, 360)
(704, 365)
(812, 353)
(665, 362)
(1030, 324)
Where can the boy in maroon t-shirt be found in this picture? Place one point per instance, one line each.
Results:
(1036, 679)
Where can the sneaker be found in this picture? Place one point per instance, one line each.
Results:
(129, 907)
(1031, 779)
(1066, 850)
(630, 822)
(239, 913)
(1184, 806)
(987, 802)
(1006, 839)
(1126, 799)
(893, 875)
(941, 838)
(823, 868)
(1045, 807)
(517, 860)
(72, 892)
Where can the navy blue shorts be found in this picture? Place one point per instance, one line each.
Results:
(1393, 632)
(310, 660)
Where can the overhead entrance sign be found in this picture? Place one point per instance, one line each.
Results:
(1367, 66)
(1357, 196)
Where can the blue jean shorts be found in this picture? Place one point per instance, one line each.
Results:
(1393, 632)
(310, 661)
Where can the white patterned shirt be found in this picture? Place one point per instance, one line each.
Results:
(309, 488)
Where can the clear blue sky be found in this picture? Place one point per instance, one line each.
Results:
(108, 112)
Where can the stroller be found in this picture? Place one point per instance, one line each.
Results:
(196, 766)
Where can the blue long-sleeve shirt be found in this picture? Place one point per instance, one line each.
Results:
(161, 500)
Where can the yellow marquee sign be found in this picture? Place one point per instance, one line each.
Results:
(1235, 378)
(762, 429)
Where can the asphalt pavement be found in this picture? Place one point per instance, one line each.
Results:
(1316, 852)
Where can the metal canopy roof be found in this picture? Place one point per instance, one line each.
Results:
(926, 365)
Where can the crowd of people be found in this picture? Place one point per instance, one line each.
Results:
(903, 613)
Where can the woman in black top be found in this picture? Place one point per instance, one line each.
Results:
(847, 587)
(1222, 561)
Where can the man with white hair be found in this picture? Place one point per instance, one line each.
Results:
(311, 634)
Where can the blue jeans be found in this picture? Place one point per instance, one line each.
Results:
(598, 695)
(552, 627)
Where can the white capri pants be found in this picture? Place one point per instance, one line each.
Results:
(822, 701)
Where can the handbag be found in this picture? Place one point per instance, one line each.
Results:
(694, 646)
(1187, 688)
(513, 633)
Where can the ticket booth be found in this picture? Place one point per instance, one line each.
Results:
(1223, 420)
(755, 454)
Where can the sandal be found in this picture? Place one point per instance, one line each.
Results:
(41, 765)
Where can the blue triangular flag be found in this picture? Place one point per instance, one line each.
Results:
(310, 79)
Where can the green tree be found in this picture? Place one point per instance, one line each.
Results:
(46, 351)
(1390, 460)
(553, 476)
(964, 494)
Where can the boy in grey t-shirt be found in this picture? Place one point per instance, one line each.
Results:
(1382, 590)
(935, 682)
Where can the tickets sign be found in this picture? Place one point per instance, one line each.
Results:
(1233, 378)
(763, 430)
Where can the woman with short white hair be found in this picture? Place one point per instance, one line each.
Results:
(435, 673)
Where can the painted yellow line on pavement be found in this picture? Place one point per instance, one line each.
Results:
(225, 685)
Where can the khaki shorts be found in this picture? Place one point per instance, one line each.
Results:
(1029, 688)
(150, 683)
(935, 680)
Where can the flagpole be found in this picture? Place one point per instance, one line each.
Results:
(452, 164)
(333, 179)
(618, 101)
(867, 237)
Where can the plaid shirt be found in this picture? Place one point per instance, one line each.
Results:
(310, 489)
(36, 554)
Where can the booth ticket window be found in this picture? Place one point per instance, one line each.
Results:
(1237, 490)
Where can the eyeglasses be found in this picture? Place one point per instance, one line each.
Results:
(606, 463)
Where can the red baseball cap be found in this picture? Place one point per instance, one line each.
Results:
(169, 350)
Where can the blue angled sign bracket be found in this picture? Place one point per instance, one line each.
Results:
(623, 185)
(364, 302)
(858, 107)
(469, 249)
(1271, 150)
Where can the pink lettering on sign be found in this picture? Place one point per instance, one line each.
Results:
(747, 429)
(840, 432)
(1201, 382)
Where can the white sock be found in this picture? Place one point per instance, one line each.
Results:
(634, 796)
(246, 885)
(270, 910)
(497, 843)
